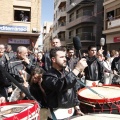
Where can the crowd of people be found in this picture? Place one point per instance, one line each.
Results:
(52, 78)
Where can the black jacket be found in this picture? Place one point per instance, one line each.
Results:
(116, 64)
(47, 61)
(14, 67)
(60, 89)
(94, 70)
(38, 94)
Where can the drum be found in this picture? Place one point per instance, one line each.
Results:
(98, 117)
(108, 100)
(20, 110)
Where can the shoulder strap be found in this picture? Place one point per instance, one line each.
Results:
(53, 115)
(7, 57)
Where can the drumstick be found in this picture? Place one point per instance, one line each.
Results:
(87, 104)
(17, 61)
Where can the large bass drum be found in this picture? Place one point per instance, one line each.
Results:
(108, 100)
(20, 110)
(98, 117)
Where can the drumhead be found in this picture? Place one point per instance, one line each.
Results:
(19, 110)
(98, 117)
(106, 92)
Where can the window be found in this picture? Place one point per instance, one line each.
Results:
(110, 15)
(78, 13)
(71, 17)
(71, 34)
(118, 13)
(22, 14)
(85, 33)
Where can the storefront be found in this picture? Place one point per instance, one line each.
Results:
(113, 41)
(17, 36)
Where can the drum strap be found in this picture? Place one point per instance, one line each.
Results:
(53, 115)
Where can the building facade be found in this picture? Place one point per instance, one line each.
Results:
(84, 19)
(20, 22)
(112, 23)
(59, 22)
(47, 35)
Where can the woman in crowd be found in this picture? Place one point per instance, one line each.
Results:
(35, 86)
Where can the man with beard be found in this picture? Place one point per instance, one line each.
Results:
(94, 70)
(59, 84)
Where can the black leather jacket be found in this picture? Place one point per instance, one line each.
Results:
(14, 67)
(46, 61)
(94, 71)
(116, 64)
(60, 89)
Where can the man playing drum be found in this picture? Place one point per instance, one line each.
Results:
(59, 85)
(94, 70)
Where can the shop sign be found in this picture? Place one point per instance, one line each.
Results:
(117, 39)
(13, 28)
(19, 41)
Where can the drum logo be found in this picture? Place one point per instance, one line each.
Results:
(70, 111)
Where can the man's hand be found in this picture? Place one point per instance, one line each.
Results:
(81, 65)
(26, 60)
(100, 84)
(2, 100)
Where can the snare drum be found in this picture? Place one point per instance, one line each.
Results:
(107, 102)
(98, 117)
(20, 110)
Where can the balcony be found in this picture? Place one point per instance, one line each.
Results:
(61, 28)
(113, 23)
(85, 37)
(83, 17)
(74, 3)
(106, 2)
(112, 26)
(61, 14)
(61, 3)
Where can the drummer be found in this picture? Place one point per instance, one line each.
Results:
(59, 85)
(94, 70)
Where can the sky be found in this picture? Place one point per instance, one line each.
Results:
(47, 10)
(46, 13)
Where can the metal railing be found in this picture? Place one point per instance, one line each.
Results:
(86, 36)
(84, 13)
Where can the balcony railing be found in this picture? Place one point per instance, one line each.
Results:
(86, 36)
(62, 24)
(113, 23)
(84, 13)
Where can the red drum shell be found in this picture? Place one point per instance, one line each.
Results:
(91, 100)
(109, 105)
(25, 114)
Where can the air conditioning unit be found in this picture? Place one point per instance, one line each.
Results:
(34, 30)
